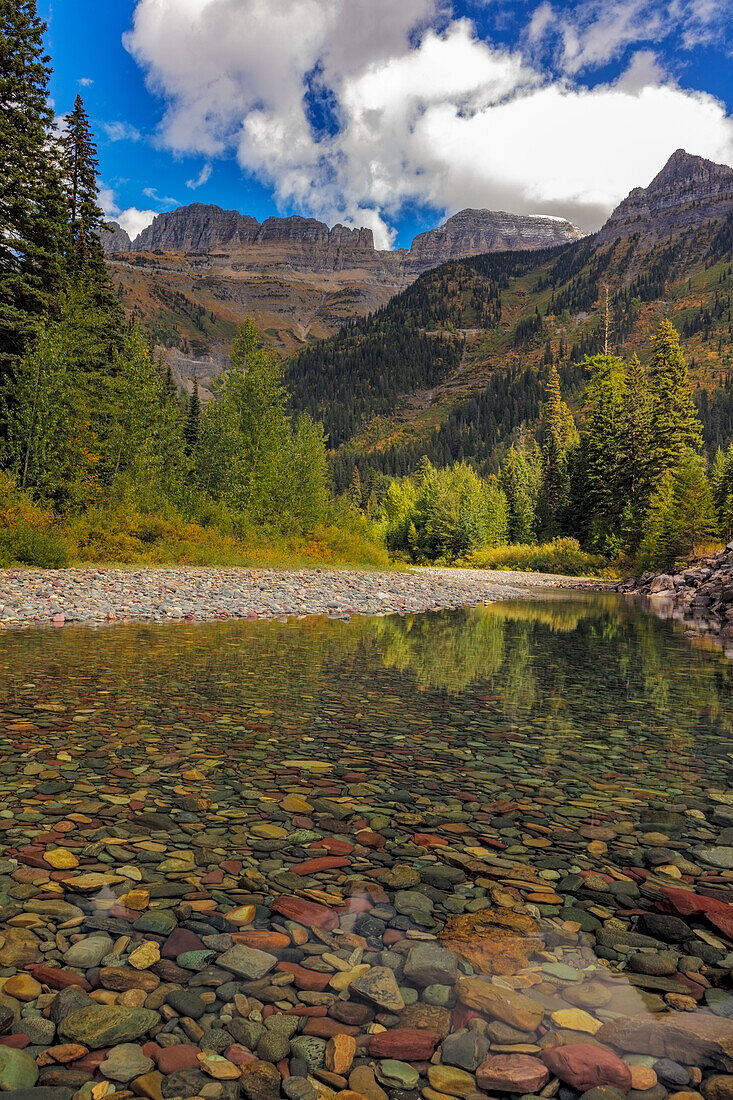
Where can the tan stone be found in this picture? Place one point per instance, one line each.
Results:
(344, 978)
(363, 1081)
(514, 1009)
(20, 948)
(294, 805)
(451, 1081)
(244, 914)
(340, 1052)
(61, 859)
(575, 1019)
(149, 1085)
(135, 899)
(145, 956)
(642, 1078)
(221, 1069)
(23, 987)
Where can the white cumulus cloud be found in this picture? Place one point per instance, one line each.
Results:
(132, 220)
(421, 109)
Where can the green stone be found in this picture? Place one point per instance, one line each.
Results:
(17, 1070)
(157, 922)
(100, 1026)
(562, 971)
(399, 1075)
(196, 960)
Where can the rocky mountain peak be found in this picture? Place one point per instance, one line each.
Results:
(688, 190)
(472, 232)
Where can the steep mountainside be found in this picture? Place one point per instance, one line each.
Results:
(509, 315)
(197, 272)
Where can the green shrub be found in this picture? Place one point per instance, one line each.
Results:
(562, 555)
(32, 547)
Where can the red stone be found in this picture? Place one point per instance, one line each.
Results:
(392, 935)
(179, 941)
(305, 979)
(409, 1044)
(172, 1059)
(462, 1014)
(119, 911)
(307, 1010)
(584, 1065)
(320, 863)
(239, 1055)
(687, 904)
(93, 1060)
(333, 844)
(326, 1027)
(17, 1042)
(59, 979)
(370, 839)
(231, 866)
(428, 840)
(512, 1073)
(308, 913)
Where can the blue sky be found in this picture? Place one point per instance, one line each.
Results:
(391, 115)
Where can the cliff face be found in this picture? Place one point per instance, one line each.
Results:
(115, 241)
(472, 232)
(687, 191)
(293, 241)
(309, 245)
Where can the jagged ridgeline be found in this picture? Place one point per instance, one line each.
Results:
(413, 343)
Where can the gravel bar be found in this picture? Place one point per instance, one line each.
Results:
(31, 597)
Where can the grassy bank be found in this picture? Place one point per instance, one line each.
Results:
(562, 555)
(123, 535)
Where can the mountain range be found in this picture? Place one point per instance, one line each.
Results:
(309, 245)
(195, 273)
(504, 292)
(452, 367)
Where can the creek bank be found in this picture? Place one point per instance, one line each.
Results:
(701, 596)
(31, 597)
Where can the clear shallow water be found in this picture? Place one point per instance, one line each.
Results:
(535, 776)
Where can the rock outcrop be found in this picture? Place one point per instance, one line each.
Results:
(473, 232)
(701, 594)
(115, 239)
(687, 191)
(277, 242)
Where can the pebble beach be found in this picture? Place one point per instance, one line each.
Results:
(33, 596)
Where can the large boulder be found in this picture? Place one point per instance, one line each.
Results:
(695, 1039)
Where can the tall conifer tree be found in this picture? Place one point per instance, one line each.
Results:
(675, 424)
(193, 419)
(31, 196)
(559, 434)
(86, 220)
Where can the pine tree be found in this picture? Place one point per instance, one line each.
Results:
(81, 168)
(87, 263)
(637, 457)
(602, 442)
(31, 199)
(520, 482)
(559, 435)
(675, 424)
(193, 419)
